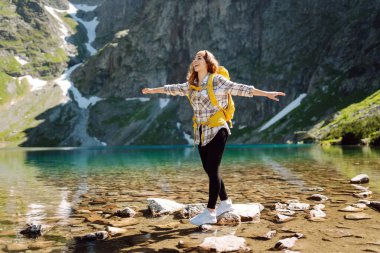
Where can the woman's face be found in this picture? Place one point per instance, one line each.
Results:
(199, 63)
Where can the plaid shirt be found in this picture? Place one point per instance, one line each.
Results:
(203, 109)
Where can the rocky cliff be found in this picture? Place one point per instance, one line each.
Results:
(328, 50)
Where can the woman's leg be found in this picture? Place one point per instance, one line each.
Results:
(211, 156)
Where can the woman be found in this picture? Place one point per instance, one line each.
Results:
(211, 140)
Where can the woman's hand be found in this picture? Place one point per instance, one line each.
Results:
(272, 95)
(147, 91)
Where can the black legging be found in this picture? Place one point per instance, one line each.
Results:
(211, 156)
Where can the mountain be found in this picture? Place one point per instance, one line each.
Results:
(323, 54)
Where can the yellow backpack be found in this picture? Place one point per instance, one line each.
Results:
(223, 115)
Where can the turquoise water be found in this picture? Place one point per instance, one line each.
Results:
(38, 185)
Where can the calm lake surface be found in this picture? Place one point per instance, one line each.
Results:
(45, 186)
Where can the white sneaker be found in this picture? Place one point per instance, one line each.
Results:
(204, 218)
(224, 206)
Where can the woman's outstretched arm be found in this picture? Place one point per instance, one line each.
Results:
(153, 90)
(180, 89)
(269, 94)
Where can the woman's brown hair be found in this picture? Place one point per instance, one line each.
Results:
(212, 67)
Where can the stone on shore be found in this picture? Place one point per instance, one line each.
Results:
(115, 231)
(317, 214)
(286, 243)
(191, 210)
(226, 243)
(351, 209)
(100, 235)
(318, 197)
(32, 231)
(360, 179)
(267, 236)
(159, 207)
(283, 218)
(248, 212)
(375, 205)
(363, 195)
(126, 213)
(357, 216)
(298, 206)
(229, 218)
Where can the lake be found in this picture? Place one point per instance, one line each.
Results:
(48, 186)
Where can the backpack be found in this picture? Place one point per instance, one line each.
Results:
(221, 116)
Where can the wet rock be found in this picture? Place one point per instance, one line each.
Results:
(186, 244)
(267, 236)
(115, 231)
(351, 209)
(360, 179)
(319, 207)
(360, 187)
(285, 212)
(286, 243)
(191, 210)
(125, 213)
(248, 212)
(206, 228)
(100, 235)
(357, 216)
(230, 218)
(364, 195)
(318, 197)
(41, 245)
(360, 205)
(298, 206)
(168, 226)
(123, 223)
(280, 206)
(159, 207)
(226, 243)
(315, 189)
(32, 231)
(317, 214)
(375, 205)
(17, 247)
(279, 218)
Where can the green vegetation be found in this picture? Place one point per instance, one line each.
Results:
(10, 65)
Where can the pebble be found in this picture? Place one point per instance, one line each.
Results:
(115, 231)
(318, 197)
(360, 179)
(126, 213)
(159, 207)
(267, 236)
(351, 209)
(298, 206)
(283, 218)
(286, 243)
(364, 195)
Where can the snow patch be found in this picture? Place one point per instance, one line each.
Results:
(36, 83)
(178, 125)
(141, 99)
(62, 28)
(83, 102)
(85, 7)
(284, 111)
(20, 60)
(164, 102)
(188, 138)
(242, 127)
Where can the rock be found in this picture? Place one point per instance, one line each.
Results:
(83, 211)
(285, 212)
(159, 207)
(375, 205)
(318, 197)
(360, 205)
(17, 247)
(125, 213)
(167, 226)
(357, 216)
(315, 189)
(269, 235)
(319, 207)
(115, 231)
(248, 212)
(298, 206)
(206, 228)
(32, 231)
(286, 243)
(191, 210)
(100, 235)
(360, 179)
(225, 243)
(41, 245)
(186, 244)
(123, 223)
(316, 214)
(359, 187)
(230, 218)
(364, 195)
(283, 218)
(351, 209)
(280, 206)
(365, 201)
